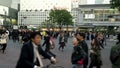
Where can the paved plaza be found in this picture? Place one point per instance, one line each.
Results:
(10, 58)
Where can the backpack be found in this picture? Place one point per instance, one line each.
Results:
(115, 54)
(52, 43)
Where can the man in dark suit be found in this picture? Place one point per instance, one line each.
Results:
(28, 57)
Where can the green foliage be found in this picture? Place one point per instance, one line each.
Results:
(61, 17)
(115, 4)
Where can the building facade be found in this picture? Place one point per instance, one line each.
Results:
(8, 15)
(45, 4)
(36, 12)
(32, 17)
(98, 15)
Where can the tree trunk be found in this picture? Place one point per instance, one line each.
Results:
(60, 27)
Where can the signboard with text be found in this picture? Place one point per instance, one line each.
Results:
(4, 10)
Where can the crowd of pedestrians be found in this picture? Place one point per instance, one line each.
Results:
(81, 57)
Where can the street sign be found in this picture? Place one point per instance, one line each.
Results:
(15, 27)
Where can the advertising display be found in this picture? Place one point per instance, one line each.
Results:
(89, 16)
(4, 10)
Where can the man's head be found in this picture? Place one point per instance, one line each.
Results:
(47, 33)
(35, 38)
(80, 36)
(75, 42)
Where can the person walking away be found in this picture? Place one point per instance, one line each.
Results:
(115, 54)
(30, 53)
(15, 35)
(47, 42)
(66, 36)
(95, 52)
(90, 36)
(20, 36)
(61, 41)
(83, 44)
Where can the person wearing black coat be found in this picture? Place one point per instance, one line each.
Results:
(85, 48)
(47, 42)
(15, 35)
(83, 44)
(28, 58)
(77, 55)
(90, 36)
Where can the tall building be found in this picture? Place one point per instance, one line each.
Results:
(45, 4)
(15, 4)
(6, 2)
(106, 2)
(10, 3)
(74, 11)
(90, 1)
(102, 1)
(7, 12)
(32, 17)
(84, 2)
(98, 15)
(75, 3)
(36, 12)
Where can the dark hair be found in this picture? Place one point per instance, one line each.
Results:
(82, 34)
(47, 32)
(33, 34)
(97, 34)
(118, 38)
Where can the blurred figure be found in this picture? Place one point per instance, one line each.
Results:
(66, 35)
(25, 36)
(61, 41)
(83, 44)
(15, 35)
(47, 41)
(90, 36)
(48, 44)
(115, 54)
(95, 53)
(77, 55)
(3, 40)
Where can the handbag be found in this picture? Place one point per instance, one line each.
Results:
(80, 62)
(3, 41)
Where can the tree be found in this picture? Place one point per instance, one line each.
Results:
(115, 4)
(60, 17)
